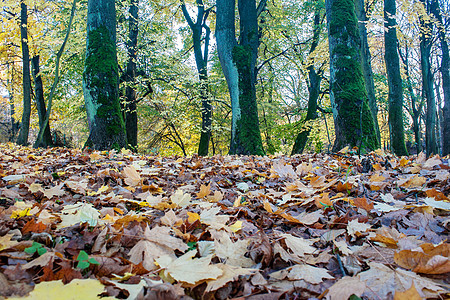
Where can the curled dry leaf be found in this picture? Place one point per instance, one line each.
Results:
(428, 259)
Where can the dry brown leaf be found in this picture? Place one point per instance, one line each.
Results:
(229, 274)
(435, 260)
(410, 294)
(204, 191)
(188, 269)
(345, 287)
(132, 177)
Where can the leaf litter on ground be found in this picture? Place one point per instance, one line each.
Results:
(323, 226)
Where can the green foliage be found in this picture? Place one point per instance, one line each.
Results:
(36, 248)
(84, 261)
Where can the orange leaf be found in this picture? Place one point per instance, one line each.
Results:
(344, 187)
(432, 193)
(410, 294)
(323, 200)
(32, 226)
(363, 203)
(204, 191)
(390, 242)
(420, 262)
(318, 181)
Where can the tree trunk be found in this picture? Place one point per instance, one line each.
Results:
(397, 136)
(40, 102)
(366, 64)
(40, 137)
(445, 72)
(313, 89)
(226, 41)
(201, 60)
(426, 28)
(131, 120)
(354, 125)
(416, 106)
(25, 125)
(238, 63)
(101, 80)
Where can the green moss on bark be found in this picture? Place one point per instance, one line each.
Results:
(101, 79)
(354, 123)
(248, 136)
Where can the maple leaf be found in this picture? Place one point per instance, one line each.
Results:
(229, 274)
(158, 242)
(383, 282)
(54, 191)
(427, 259)
(232, 253)
(298, 245)
(437, 204)
(132, 177)
(180, 198)
(283, 170)
(210, 217)
(188, 269)
(354, 228)
(345, 287)
(86, 289)
(305, 272)
(410, 294)
(204, 191)
(6, 242)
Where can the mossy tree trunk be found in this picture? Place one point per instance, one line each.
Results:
(395, 99)
(426, 28)
(314, 80)
(101, 80)
(22, 139)
(366, 63)
(40, 103)
(354, 124)
(130, 114)
(201, 61)
(238, 62)
(445, 72)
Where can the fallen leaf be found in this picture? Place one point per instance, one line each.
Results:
(85, 289)
(229, 274)
(345, 287)
(188, 269)
(410, 294)
(132, 177)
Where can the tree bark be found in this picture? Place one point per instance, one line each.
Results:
(395, 99)
(22, 139)
(445, 72)
(416, 105)
(40, 102)
(101, 80)
(201, 61)
(426, 28)
(366, 64)
(354, 125)
(238, 64)
(313, 89)
(130, 115)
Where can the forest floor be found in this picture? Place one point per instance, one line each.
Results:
(81, 225)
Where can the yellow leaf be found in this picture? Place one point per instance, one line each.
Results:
(193, 217)
(188, 269)
(83, 289)
(236, 226)
(6, 242)
(204, 191)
